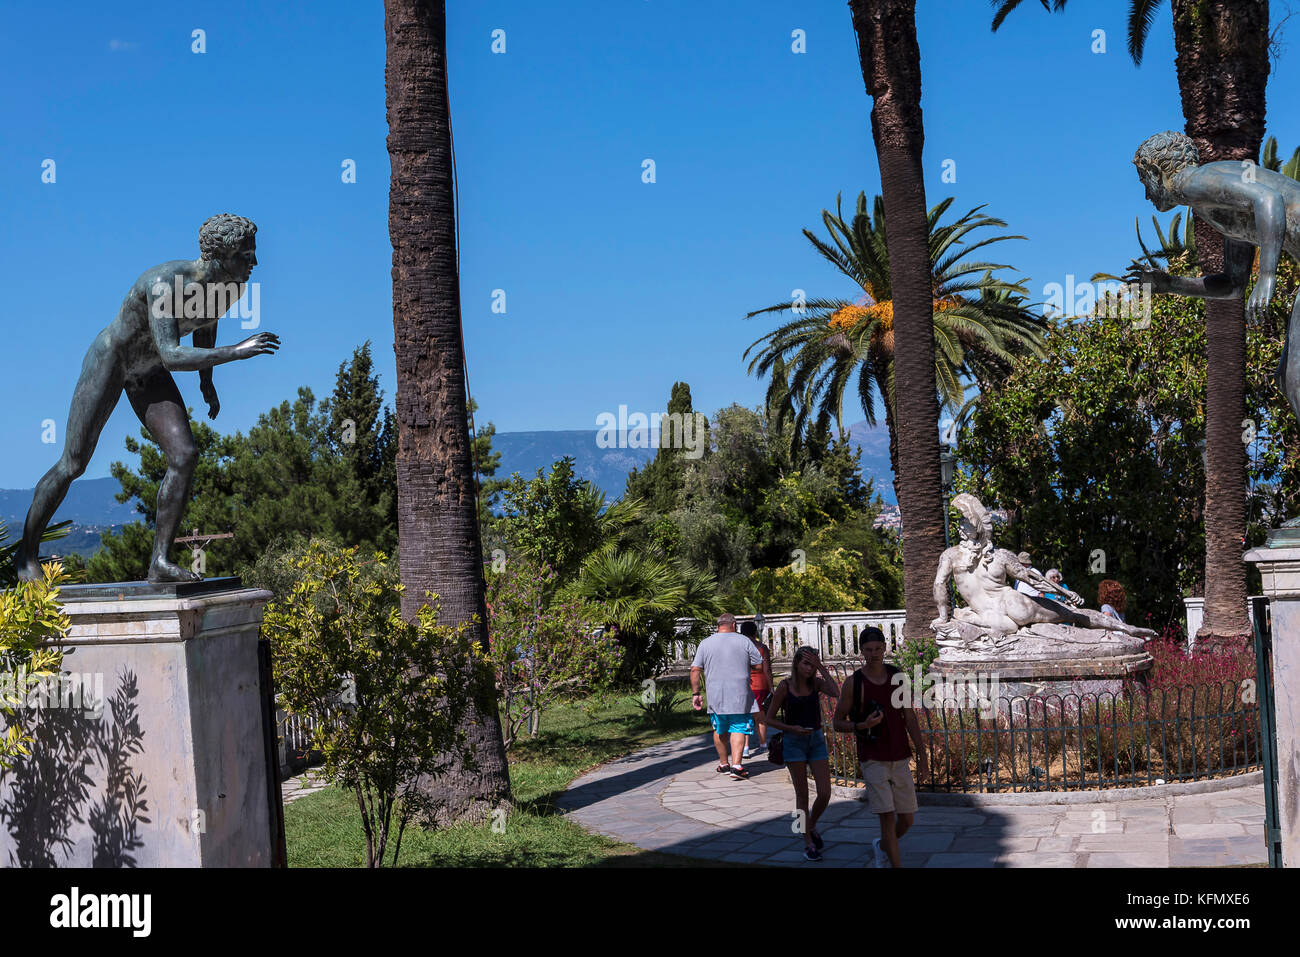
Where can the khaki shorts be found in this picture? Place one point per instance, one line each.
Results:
(889, 787)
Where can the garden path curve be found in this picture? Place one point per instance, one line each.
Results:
(670, 798)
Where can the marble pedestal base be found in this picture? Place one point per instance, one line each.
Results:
(158, 757)
(1050, 676)
(1280, 570)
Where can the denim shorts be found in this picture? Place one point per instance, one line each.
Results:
(810, 747)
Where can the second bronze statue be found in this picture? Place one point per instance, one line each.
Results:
(136, 354)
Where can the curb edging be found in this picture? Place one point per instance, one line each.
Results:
(1108, 796)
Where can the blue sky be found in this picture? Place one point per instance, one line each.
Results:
(614, 288)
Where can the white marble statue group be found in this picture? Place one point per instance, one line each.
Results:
(999, 620)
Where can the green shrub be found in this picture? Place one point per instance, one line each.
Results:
(339, 636)
(29, 617)
(662, 706)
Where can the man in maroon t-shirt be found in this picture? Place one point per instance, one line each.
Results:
(883, 750)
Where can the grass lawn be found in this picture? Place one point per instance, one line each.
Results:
(324, 829)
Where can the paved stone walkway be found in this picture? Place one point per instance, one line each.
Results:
(669, 798)
(309, 782)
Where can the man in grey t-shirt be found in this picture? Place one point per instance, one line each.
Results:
(725, 658)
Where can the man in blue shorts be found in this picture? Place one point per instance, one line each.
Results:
(724, 659)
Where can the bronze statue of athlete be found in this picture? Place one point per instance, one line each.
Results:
(1251, 206)
(136, 353)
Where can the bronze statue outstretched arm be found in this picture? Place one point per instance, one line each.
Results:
(1230, 284)
(178, 358)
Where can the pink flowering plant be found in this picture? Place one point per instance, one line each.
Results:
(1175, 667)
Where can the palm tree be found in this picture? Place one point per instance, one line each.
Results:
(1222, 64)
(979, 323)
(1271, 160)
(9, 550)
(438, 532)
(891, 68)
(645, 595)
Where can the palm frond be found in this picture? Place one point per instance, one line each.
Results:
(1141, 14)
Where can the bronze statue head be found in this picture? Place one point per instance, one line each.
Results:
(229, 241)
(1158, 159)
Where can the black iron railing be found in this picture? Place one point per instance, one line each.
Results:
(1129, 738)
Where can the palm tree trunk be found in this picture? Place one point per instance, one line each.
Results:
(1222, 62)
(891, 68)
(438, 531)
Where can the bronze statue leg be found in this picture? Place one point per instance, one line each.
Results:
(98, 389)
(158, 404)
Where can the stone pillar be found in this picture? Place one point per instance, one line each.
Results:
(1280, 570)
(158, 756)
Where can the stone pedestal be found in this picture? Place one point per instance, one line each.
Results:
(1280, 570)
(1060, 677)
(155, 754)
(1047, 659)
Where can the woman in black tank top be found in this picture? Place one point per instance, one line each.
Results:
(797, 701)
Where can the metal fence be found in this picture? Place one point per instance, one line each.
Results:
(1091, 741)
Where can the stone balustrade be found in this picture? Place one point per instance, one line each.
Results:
(1196, 615)
(834, 633)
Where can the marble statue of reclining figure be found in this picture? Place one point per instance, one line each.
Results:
(985, 577)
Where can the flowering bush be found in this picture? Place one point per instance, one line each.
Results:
(1176, 667)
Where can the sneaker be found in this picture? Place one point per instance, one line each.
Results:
(758, 750)
(746, 753)
(724, 768)
(818, 840)
(811, 854)
(882, 859)
(738, 773)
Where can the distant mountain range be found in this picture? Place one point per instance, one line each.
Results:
(607, 469)
(91, 502)
(526, 452)
(873, 454)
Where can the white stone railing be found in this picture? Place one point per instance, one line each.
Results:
(834, 633)
(1196, 615)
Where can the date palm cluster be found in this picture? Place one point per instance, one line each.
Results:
(981, 322)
